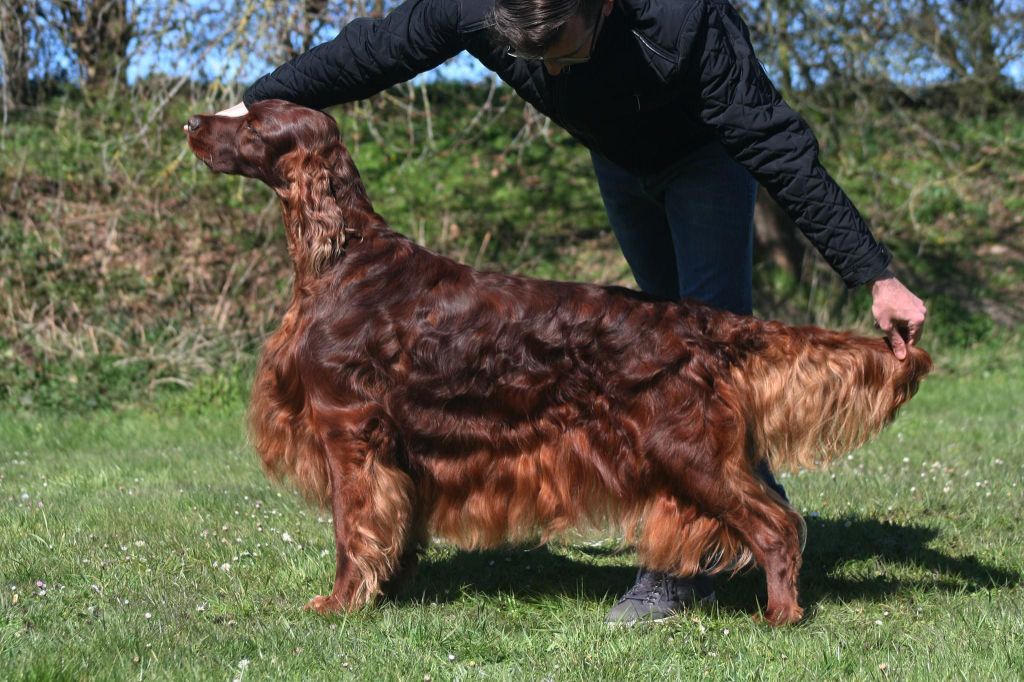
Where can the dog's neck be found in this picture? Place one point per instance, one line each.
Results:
(321, 228)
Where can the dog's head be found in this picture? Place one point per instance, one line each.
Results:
(276, 141)
(298, 152)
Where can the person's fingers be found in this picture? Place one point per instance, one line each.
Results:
(917, 326)
(914, 331)
(899, 346)
(892, 334)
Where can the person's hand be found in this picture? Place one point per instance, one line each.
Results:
(899, 313)
(237, 110)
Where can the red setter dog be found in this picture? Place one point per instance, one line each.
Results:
(416, 396)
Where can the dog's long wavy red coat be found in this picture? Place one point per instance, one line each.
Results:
(416, 396)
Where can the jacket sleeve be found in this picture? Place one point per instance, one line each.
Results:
(369, 55)
(737, 99)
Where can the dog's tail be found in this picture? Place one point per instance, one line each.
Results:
(814, 395)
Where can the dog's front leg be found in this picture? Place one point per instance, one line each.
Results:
(372, 504)
(345, 583)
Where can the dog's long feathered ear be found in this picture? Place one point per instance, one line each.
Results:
(331, 201)
(320, 225)
(327, 228)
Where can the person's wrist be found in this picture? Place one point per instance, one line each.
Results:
(883, 280)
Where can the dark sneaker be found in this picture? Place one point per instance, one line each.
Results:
(657, 596)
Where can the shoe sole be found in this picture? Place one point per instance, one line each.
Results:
(700, 603)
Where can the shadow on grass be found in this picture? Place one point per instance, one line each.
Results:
(862, 558)
(898, 558)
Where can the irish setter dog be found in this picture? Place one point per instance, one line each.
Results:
(415, 396)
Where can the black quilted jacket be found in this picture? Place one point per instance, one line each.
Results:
(666, 77)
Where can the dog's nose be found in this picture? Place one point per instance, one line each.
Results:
(193, 124)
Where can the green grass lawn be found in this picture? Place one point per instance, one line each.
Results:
(147, 544)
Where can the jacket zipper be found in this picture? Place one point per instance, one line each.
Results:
(651, 46)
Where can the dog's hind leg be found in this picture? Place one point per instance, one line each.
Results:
(408, 563)
(372, 504)
(773, 531)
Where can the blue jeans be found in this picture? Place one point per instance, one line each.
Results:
(688, 232)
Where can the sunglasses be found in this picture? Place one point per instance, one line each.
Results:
(567, 61)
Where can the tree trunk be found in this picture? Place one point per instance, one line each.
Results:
(98, 32)
(14, 52)
(777, 236)
(977, 22)
(305, 29)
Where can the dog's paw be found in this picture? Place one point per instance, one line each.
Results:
(325, 605)
(776, 617)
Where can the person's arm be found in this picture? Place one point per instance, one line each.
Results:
(369, 55)
(740, 103)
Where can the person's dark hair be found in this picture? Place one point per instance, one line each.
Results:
(532, 26)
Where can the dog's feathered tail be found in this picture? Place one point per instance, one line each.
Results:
(816, 395)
